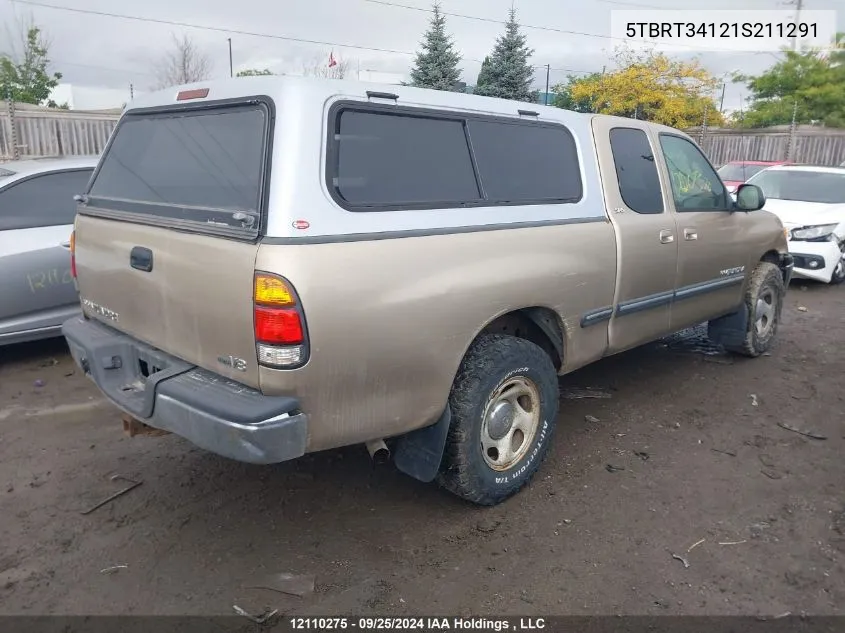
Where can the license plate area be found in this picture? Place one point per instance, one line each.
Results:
(147, 369)
(128, 372)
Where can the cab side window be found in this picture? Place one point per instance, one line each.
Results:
(45, 200)
(695, 184)
(636, 171)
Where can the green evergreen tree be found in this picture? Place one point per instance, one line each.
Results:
(436, 65)
(508, 75)
(483, 75)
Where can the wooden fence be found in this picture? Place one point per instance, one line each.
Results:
(806, 144)
(53, 132)
(28, 131)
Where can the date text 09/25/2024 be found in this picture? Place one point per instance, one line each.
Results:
(416, 624)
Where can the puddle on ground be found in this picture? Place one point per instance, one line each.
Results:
(693, 340)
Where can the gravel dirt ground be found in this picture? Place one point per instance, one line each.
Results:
(756, 511)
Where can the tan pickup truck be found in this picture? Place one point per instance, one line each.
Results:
(270, 267)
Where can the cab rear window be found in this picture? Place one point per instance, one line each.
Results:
(202, 165)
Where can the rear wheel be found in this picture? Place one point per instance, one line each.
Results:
(504, 402)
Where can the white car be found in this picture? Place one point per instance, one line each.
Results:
(810, 201)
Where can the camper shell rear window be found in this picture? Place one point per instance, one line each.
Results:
(201, 165)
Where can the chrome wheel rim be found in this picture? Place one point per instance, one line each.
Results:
(764, 313)
(511, 420)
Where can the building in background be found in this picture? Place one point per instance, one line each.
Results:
(375, 76)
(89, 97)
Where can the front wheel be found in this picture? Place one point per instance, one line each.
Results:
(504, 402)
(838, 271)
(763, 304)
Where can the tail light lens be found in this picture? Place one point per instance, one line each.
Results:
(280, 335)
(272, 291)
(279, 327)
(73, 254)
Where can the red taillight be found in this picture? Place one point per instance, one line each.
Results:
(280, 336)
(73, 254)
(278, 326)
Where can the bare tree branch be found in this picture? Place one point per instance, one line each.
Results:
(17, 32)
(184, 64)
(319, 67)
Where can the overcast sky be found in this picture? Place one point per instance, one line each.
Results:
(93, 50)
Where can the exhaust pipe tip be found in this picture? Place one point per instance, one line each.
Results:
(379, 452)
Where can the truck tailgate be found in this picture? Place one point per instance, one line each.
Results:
(194, 303)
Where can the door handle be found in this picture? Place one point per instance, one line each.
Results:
(65, 244)
(141, 259)
(690, 235)
(666, 236)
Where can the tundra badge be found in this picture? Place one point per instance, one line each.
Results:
(102, 311)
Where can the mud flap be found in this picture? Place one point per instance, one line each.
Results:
(418, 453)
(730, 331)
(787, 266)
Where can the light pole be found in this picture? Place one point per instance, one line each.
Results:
(799, 5)
(724, 85)
(546, 95)
(231, 68)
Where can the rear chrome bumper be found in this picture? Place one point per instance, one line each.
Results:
(164, 392)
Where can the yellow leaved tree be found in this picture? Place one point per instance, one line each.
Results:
(650, 86)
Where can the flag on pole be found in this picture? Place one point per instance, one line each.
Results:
(332, 60)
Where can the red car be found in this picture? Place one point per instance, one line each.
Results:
(736, 172)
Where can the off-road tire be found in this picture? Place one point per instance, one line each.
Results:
(490, 363)
(765, 279)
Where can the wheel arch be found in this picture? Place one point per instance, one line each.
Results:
(781, 260)
(538, 324)
(771, 256)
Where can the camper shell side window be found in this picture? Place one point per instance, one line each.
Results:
(388, 158)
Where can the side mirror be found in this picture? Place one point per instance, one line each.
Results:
(750, 198)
